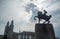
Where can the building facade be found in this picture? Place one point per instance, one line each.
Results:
(26, 35)
(9, 34)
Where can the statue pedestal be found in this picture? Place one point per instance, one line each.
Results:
(44, 31)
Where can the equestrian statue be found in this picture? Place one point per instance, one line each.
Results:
(41, 16)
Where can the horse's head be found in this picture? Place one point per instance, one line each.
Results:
(50, 16)
(39, 12)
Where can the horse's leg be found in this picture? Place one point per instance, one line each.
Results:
(35, 17)
(44, 22)
(39, 20)
(48, 22)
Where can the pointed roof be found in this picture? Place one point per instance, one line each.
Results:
(8, 23)
(12, 22)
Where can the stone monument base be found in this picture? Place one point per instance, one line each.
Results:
(44, 31)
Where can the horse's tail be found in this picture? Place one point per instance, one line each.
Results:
(35, 17)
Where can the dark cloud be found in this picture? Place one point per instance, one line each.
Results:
(29, 7)
(32, 7)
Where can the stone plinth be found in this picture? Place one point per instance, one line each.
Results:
(44, 31)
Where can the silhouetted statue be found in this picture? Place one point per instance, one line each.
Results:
(43, 16)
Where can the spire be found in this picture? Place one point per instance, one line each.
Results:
(7, 23)
(19, 30)
(11, 26)
(12, 22)
(6, 28)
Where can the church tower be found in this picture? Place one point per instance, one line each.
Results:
(6, 31)
(6, 28)
(11, 26)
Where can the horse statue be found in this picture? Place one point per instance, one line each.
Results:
(43, 16)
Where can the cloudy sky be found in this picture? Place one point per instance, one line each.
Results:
(23, 11)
